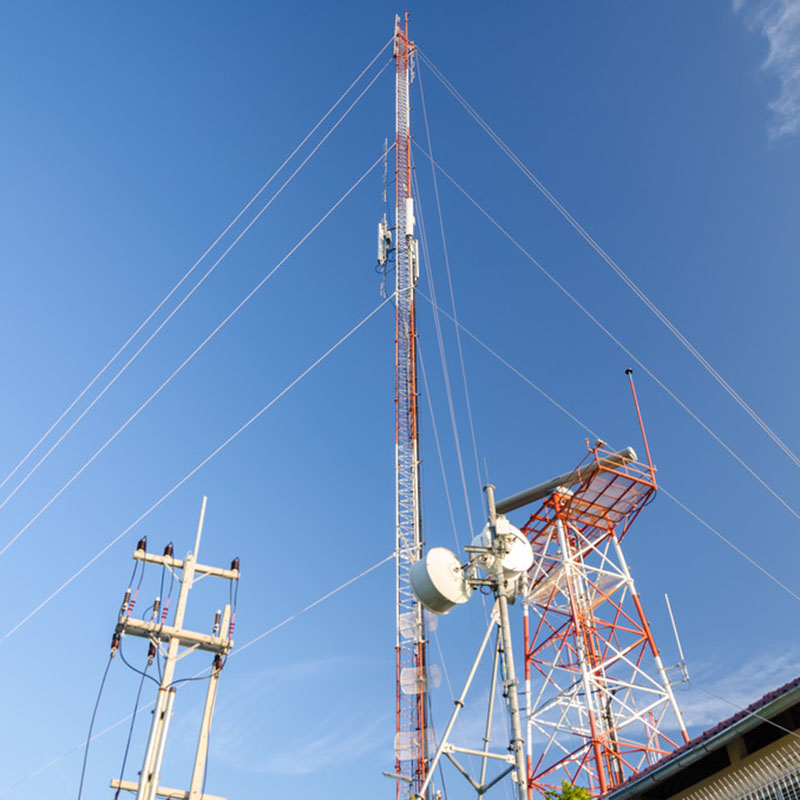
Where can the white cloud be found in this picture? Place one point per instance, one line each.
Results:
(779, 22)
(712, 697)
(286, 706)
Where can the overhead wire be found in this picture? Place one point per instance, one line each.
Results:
(132, 726)
(314, 604)
(445, 372)
(442, 354)
(616, 341)
(665, 491)
(237, 650)
(737, 706)
(426, 387)
(589, 430)
(189, 294)
(629, 282)
(446, 255)
(189, 358)
(91, 724)
(194, 266)
(130, 666)
(195, 469)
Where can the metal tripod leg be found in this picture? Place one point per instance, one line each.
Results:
(459, 704)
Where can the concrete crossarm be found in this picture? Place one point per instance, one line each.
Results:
(154, 630)
(162, 791)
(177, 563)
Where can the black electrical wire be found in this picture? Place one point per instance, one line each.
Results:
(171, 584)
(188, 680)
(141, 577)
(161, 587)
(133, 723)
(133, 574)
(91, 724)
(164, 607)
(135, 669)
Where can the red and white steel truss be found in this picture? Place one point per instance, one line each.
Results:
(600, 706)
(411, 744)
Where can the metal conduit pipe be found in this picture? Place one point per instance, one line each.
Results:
(567, 479)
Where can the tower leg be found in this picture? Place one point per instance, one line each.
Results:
(662, 673)
(459, 704)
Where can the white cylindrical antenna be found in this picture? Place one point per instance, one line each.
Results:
(410, 221)
(675, 629)
(200, 528)
(382, 241)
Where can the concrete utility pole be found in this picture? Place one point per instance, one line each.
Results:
(168, 640)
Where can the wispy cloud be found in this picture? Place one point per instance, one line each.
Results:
(264, 708)
(779, 22)
(717, 693)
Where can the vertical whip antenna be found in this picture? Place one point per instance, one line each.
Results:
(411, 744)
(629, 373)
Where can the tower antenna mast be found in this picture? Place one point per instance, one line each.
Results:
(410, 739)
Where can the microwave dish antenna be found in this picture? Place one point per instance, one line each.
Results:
(518, 554)
(438, 581)
(498, 558)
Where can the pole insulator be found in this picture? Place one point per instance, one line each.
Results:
(235, 564)
(142, 544)
(115, 640)
(168, 550)
(125, 601)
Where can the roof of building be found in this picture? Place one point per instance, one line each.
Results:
(771, 703)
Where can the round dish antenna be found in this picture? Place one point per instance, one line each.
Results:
(438, 581)
(518, 556)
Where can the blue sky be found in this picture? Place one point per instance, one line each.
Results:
(132, 136)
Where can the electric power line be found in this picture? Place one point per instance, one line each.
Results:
(584, 234)
(199, 466)
(91, 725)
(189, 294)
(450, 285)
(249, 643)
(585, 427)
(193, 267)
(560, 286)
(180, 367)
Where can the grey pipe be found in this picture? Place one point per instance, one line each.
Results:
(567, 479)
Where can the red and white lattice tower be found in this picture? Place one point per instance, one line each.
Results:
(600, 705)
(410, 739)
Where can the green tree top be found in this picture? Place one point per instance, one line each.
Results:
(568, 792)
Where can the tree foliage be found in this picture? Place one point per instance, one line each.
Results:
(568, 792)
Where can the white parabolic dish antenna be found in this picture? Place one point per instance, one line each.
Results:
(438, 580)
(520, 557)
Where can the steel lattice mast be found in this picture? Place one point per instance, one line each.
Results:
(410, 739)
(600, 703)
